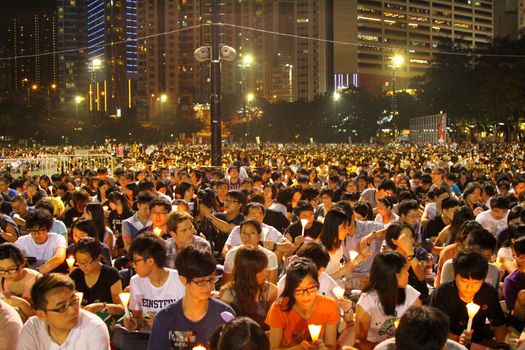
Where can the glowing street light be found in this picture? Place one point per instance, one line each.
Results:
(247, 60)
(34, 87)
(78, 99)
(163, 98)
(250, 97)
(397, 62)
(97, 63)
(337, 96)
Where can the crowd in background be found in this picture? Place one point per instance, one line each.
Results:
(380, 246)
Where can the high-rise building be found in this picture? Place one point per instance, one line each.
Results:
(72, 57)
(521, 17)
(30, 39)
(111, 56)
(413, 28)
(506, 19)
(169, 77)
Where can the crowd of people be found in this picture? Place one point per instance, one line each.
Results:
(284, 247)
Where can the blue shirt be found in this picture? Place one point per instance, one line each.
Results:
(172, 330)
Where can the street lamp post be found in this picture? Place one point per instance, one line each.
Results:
(249, 98)
(51, 87)
(163, 99)
(397, 62)
(336, 97)
(247, 60)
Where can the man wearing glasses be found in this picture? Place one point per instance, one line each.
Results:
(48, 248)
(152, 288)
(59, 321)
(192, 320)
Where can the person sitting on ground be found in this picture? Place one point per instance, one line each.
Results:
(83, 228)
(298, 306)
(249, 293)
(514, 286)
(133, 225)
(59, 321)
(193, 319)
(48, 248)
(303, 211)
(240, 334)
(495, 219)
(470, 269)
(100, 283)
(10, 326)
(386, 298)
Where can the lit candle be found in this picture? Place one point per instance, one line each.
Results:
(124, 298)
(70, 262)
(304, 222)
(265, 232)
(157, 231)
(338, 292)
(199, 347)
(315, 330)
(353, 255)
(80, 296)
(472, 310)
(396, 323)
(105, 208)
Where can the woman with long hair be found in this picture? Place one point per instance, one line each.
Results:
(299, 306)
(400, 238)
(384, 300)
(95, 212)
(100, 283)
(472, 197)
(451, 233)
(249, 293)
(120, 211)
(333, 233)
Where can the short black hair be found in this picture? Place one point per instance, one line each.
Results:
(39, 218)
(161, 202)
(47, 283)
(251, 205)
(149, 246)
(238, 196)
(301, 206)
(422, 327)
(518, 245)
(499, 201)
(316, 252)
(195, 261)
(450, 202)
(386, 185)
(470, 264)
(406, 206)
(481, 239)
(145, 197)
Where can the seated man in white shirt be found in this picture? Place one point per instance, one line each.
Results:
(48, 248)
(59, 322)
(10, 325)
(250, 232)
(495, 219)
(271, 238)
(152, 288)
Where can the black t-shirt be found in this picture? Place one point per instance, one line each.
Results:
(220, 239)
(115, 220)
(296, 229)
(70, 215)
(105, 252)
(276, 219)
(446, 299)
(100, 292)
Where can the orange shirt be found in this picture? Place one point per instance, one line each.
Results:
(295, 328)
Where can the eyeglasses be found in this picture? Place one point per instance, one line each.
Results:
(206, 282)
(304, 291)
(10, 271)
(230, 201)
(135, 261)
(41, 231)
(78, 263)
(65, 307)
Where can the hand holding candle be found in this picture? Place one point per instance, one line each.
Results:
(265, 232)
(157, 231)
(472, 310)
(124, 298)
(199, 347)
(304, 222)
(80, 296)
(315, 330)
(353, 255)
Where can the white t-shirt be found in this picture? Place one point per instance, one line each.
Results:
(10, 326)
(505, 253)
(490, 224)
(335, 261)
(149, 299)
(90, 334)
(447, 274)
(382, 326)
(42, 252)
(326, 285)
(230, 259)
(379, 218)
(431, 210)
(269, 233)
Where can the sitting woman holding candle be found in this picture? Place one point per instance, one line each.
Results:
(384, 300)
(333, 233)
(16, 280)
(301, 318)
(249, 294)
(83, 228)
(100, 283)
